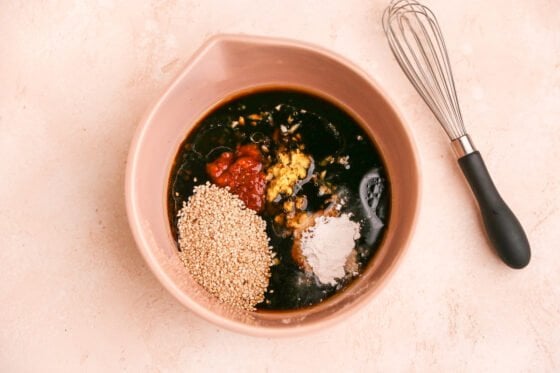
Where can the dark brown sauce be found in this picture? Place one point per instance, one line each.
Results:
(341, 151)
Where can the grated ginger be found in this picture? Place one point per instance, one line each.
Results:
(283, 176)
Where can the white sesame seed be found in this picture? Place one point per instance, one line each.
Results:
(224, 246)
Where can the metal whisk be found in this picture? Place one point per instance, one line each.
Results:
(417, 43)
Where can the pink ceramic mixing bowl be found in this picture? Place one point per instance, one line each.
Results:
(227, 66)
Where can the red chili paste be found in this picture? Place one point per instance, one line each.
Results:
(242, 173)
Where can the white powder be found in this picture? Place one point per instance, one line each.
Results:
(328, 244)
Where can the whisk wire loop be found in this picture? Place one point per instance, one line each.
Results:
(416, 41)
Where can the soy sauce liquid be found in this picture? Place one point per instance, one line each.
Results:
(326, 132)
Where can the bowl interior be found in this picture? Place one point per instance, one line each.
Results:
(227, 66)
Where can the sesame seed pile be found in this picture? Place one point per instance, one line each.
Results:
(224, 246)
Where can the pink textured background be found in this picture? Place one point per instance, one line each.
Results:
(75, 295)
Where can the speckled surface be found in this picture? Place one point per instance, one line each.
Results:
(75, 294)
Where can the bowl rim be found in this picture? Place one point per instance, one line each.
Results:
(144, 246)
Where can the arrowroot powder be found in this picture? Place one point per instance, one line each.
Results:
(327, 245)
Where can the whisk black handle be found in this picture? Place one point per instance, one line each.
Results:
(502, 227)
